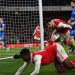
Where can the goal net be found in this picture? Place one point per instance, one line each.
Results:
(21, 18)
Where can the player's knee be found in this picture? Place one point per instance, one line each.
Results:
(68, 65)
(61, 68)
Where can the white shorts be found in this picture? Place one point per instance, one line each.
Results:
(36, 38)
(61, 53)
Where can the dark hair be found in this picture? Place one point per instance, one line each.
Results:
(48, 20)
(25, 51)
(17, 56)
(25, 54)
(73, 1)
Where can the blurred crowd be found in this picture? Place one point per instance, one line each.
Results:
(25, 3)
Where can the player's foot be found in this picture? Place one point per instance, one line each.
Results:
(71, 52)
(73, 62)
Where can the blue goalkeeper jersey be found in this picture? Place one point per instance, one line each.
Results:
(2, 30)
(73, 16)
(72, 32)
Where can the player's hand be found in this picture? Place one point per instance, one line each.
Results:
(60, 27)
(72, 23)
(16, 56)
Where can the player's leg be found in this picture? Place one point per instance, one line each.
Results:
(60, 68)
(5, 45)
(2, 40)
(54, 37)
(37, 40)
(63, 57)
(64, 66)
(21, 69)
(2, 43)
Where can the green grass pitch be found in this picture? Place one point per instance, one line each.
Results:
(9, 67)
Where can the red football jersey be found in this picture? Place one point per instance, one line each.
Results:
(37, 31)
(48, 55)
(56, 23)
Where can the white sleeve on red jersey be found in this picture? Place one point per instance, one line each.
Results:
(61, 53)
(63, 25)
(37, 61)
(21, 69)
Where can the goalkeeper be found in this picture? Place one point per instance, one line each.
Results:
(45, 57)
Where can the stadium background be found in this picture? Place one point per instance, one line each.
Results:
(19, 21)
(20, 27)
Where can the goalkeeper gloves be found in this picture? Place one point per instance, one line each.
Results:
(17, 56)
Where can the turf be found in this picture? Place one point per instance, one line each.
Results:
(9, 67)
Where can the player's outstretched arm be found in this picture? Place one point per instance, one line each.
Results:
(21, 69)
(37, 61)
(17, 56)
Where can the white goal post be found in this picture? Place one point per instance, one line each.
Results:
(41, 23)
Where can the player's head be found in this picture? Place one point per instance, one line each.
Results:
(25, 54)
(73, 3)
(50, 24)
